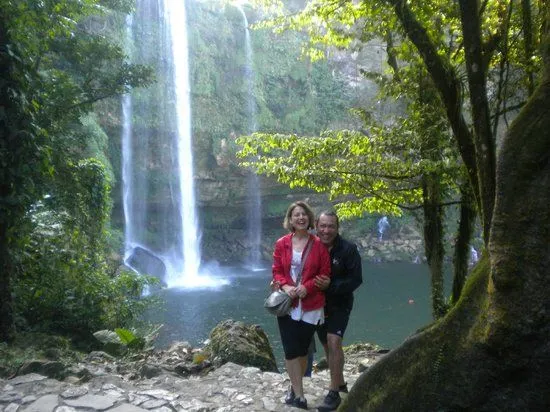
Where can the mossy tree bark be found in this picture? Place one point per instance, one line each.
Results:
(491, 351)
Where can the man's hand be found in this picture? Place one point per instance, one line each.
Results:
(322, 282)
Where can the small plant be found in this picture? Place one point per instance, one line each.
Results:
(199, 358)
(122, 341)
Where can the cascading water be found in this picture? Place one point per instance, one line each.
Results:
(177, 22)
(162, 235)
(254, 204)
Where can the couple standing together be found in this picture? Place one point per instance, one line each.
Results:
(320, 273)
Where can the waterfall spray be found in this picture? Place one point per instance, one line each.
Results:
(254, 204)
(177, 22)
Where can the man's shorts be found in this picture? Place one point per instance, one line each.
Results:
(336, 322)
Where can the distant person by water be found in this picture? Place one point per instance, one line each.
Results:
(346, 269)
(383, 225)
(295, 252)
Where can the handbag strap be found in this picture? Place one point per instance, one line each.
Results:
(304, 257)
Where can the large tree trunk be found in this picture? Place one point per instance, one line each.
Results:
(448, 84)
(491, 351)
(519, 246)
(484, 141)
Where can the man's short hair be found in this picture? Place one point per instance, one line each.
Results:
(331, 213)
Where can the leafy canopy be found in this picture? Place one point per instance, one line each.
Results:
(403, 146)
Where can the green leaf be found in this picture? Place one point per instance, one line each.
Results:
(126, 336)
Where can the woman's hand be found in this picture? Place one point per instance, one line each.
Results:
(274, 285)
(301, 291)
(291, 291)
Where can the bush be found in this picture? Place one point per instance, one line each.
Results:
(66, 284)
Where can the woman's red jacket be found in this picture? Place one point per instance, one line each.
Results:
(316, 264)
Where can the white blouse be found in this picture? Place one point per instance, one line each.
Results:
(316, 316)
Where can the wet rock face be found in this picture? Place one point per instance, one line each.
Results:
(246, 345)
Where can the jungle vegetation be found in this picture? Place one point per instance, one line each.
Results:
(55, 203)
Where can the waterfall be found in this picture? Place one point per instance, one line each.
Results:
(177, 22)
(162, 236)
(254, 204)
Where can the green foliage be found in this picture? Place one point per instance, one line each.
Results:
(290, 94)
(138, 340)
(374, 173)
(125, 336)
(86, 139)
(54, 201)
(73, 65)
(293, 94)
(511, 47)
(123, 6)
(67, 285)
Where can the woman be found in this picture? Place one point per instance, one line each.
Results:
(298, 327)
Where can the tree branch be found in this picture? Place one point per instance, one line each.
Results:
(483, 141)
(448, 86)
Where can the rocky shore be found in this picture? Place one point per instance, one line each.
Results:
(177, 379)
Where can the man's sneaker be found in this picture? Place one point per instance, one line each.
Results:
(300, 403)
(290, 396)
(331, 402)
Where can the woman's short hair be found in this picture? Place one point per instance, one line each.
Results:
(309, 212)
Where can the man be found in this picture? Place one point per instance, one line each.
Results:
(346, 277)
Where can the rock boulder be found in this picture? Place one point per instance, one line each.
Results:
(246, 345)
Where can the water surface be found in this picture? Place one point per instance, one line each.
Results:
(392, 303)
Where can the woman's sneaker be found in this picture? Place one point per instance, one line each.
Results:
(300, 403)
(290, 396)
(331, 402)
